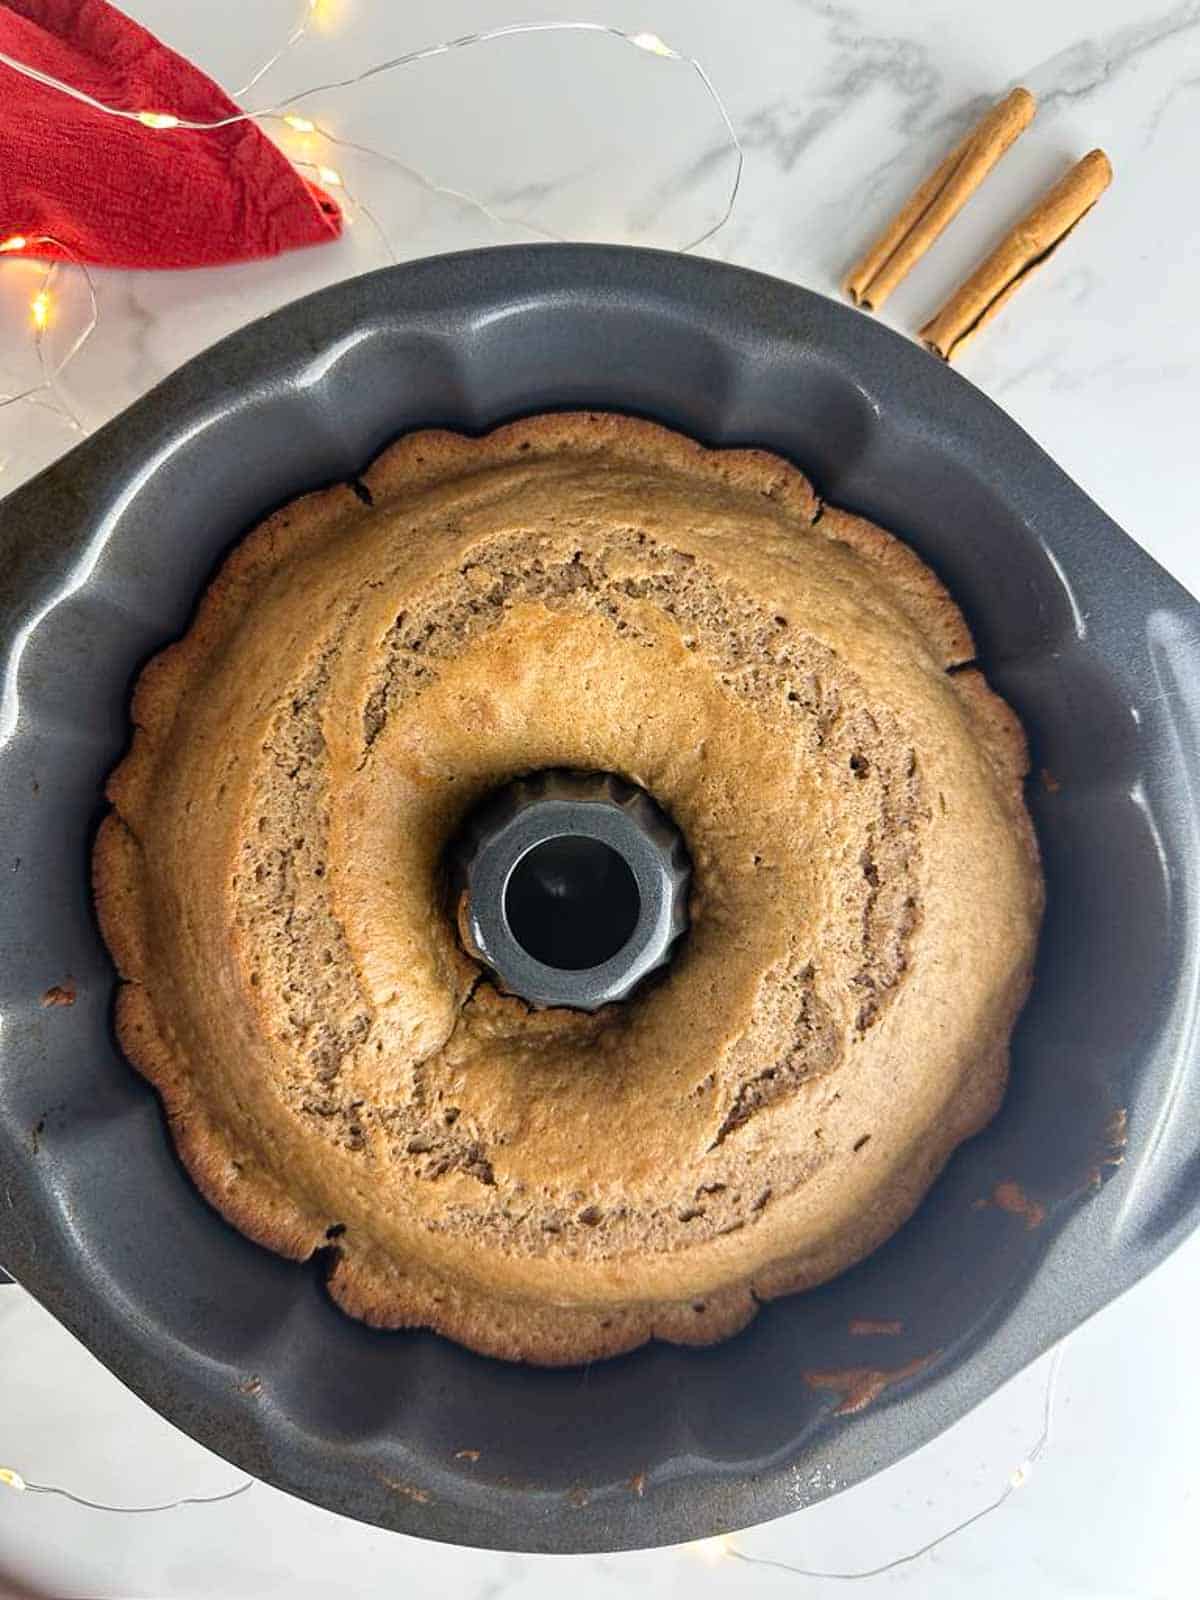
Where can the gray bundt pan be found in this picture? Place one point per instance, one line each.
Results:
(101, 561)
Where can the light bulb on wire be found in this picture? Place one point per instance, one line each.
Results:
(320, 13)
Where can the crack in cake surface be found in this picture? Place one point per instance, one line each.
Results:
(788, 680)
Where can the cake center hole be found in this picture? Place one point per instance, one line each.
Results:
(572, 902)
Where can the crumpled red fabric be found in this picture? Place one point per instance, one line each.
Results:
(116, 193)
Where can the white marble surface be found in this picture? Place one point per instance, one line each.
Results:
(840, 107)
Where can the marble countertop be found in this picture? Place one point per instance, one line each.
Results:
(840, 108)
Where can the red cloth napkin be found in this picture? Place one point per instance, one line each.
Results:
(119, 194)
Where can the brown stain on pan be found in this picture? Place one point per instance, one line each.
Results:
(860, 1387)
(1112, 1149)
(406, 1491)
(1009, 1196)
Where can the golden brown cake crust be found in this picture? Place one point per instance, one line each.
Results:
(588, 591)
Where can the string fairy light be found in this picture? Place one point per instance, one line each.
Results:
(12, 1479)
(334, 180)
(649, 43)
(431, 186)
(41, 310)
(711, 1551)
(308, 13)
(160, 120)
(724, 1548)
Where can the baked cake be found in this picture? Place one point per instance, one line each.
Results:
(592, 593)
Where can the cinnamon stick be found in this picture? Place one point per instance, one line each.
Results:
(1033, 240)
(938, 201)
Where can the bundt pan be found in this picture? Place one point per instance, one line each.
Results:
(1034, 1225)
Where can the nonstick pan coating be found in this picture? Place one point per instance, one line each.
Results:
(102, 559)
